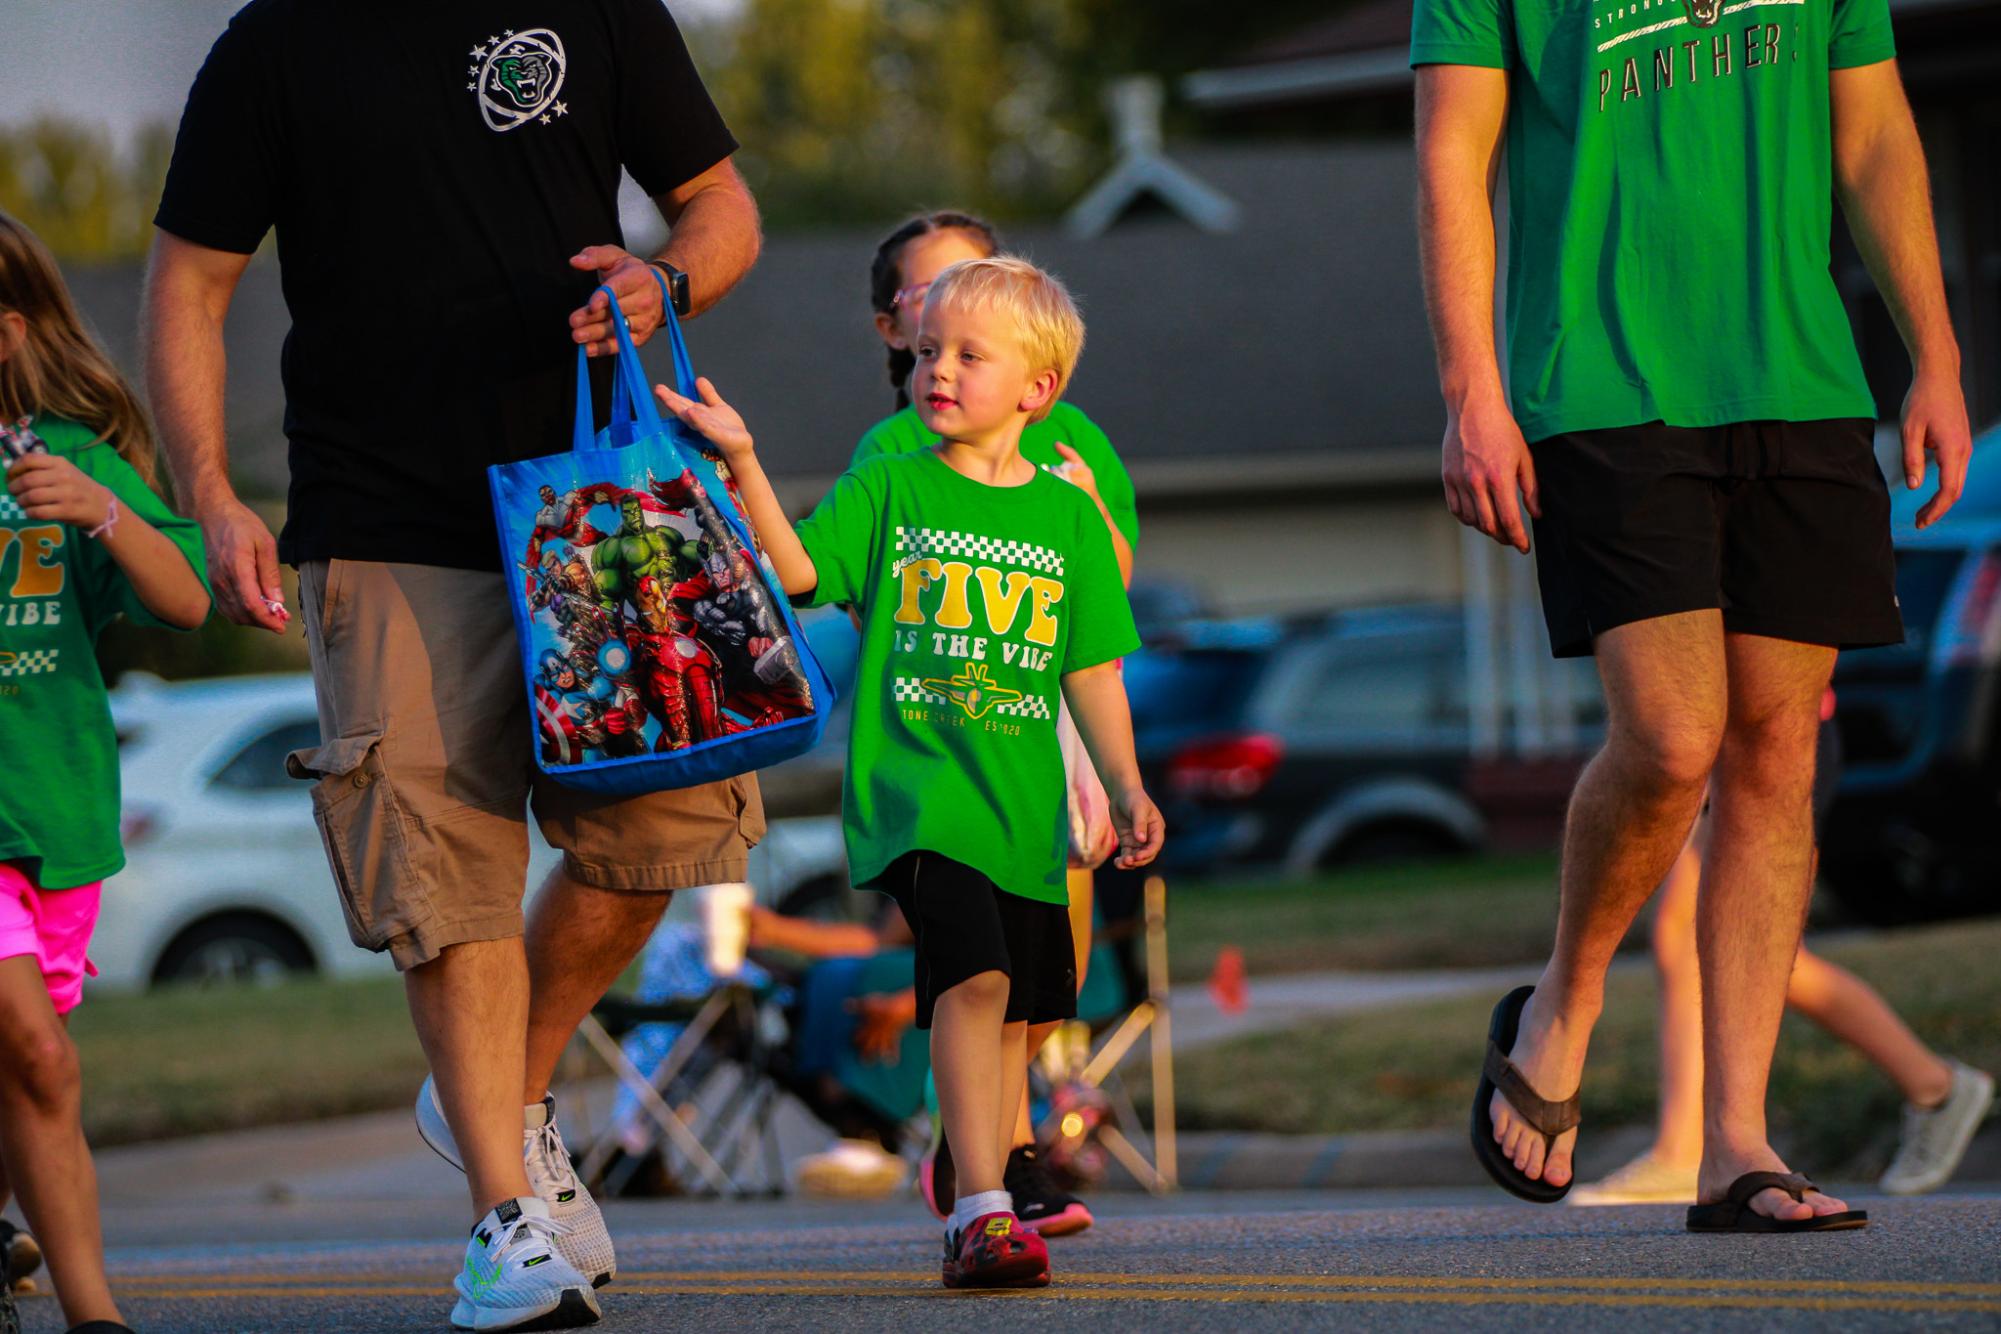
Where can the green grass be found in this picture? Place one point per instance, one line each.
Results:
(1414, 1068)
(1467, 913)
(186, 1062)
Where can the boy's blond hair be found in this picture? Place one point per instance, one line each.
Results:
(1047, 327)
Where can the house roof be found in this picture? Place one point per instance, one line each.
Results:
(1291, 352)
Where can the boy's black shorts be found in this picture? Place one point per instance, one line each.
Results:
(966, 925)
(1785, 526)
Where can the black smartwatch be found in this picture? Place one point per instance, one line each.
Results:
(677, 286)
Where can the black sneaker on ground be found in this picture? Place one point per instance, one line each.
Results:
(1038, 1202)
(19, 1257)
(101, 1327)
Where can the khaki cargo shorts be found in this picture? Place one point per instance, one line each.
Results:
(426, 769)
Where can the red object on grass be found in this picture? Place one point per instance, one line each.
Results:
(1226, 983)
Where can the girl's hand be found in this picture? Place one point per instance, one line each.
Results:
(53, 488)
(716, 420)
(1141, 830)
(1075, 471)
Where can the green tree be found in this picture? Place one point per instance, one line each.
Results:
(70, 184)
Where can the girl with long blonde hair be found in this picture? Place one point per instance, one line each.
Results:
(83, 539)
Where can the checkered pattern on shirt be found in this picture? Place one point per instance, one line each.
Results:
(10, 508)
(31, 663)
(910, 690)
(973, 546)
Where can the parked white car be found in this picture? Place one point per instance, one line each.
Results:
(225, 878)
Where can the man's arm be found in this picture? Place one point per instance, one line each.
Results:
(188, 291)
(1879, 172)
(1461, 110)
(715, 238)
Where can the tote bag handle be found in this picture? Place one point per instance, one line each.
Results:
(631, 400)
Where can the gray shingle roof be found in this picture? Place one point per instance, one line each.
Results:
(1299, 337)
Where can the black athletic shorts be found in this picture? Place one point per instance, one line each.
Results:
(1785, 526)
(966, 925)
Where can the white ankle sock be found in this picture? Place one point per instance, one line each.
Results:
(969, 1207)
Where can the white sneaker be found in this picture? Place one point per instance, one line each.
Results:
(853, 1169)
(581, 1235)
(1935, 1139)
(1645, 1180)
(514, 1278)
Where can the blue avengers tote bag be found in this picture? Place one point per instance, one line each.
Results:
(658, 648)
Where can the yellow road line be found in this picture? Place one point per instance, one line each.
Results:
(1067, 1292)
(1857, 1287)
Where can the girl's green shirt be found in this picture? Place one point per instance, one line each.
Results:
(59, 794)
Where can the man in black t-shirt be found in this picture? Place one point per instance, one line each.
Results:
(443, 181)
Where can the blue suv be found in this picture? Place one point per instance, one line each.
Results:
(1915, 832)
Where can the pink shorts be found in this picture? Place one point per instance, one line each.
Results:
(52, 925)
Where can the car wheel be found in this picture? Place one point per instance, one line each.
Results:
(233, 948)
(1399, 842)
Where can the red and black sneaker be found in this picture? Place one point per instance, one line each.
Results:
(937, 1180)
(996, 1251)
(1038, 1201)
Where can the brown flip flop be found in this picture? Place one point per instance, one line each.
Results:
(1733, 1213)
(1549, 1118)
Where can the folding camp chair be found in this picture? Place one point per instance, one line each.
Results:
(1155, 1165)
(717, 1142)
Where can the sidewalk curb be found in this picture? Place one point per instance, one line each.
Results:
(1224, 1160)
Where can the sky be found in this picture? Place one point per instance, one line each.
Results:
(122, 64)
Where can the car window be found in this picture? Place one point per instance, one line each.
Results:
(1393, 686)
(260, 765)
(1190, 688)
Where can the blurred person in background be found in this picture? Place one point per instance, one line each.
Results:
(1687, 423)
(1069, 444)
(441, 239)
(83, 540)
(1944, 1100)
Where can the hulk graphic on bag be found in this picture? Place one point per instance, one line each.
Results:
(660, 574)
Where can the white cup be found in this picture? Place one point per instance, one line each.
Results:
(726, 926)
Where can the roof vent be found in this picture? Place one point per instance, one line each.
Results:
(1144, 173)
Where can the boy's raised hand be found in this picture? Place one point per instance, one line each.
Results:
(716, 420)
(1141, 830)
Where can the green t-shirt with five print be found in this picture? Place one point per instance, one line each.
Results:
(974, 600)
(59, 795)
(1670, 197)
(905, 433)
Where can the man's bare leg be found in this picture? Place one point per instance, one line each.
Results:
(580, 939)
(1755, 883)
(1631, 812)
(470, 1007)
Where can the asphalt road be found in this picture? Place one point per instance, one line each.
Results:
(1199, 1261)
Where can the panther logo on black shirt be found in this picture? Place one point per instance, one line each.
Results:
(517, 77)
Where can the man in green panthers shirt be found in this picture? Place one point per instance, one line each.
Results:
(1692, 434)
